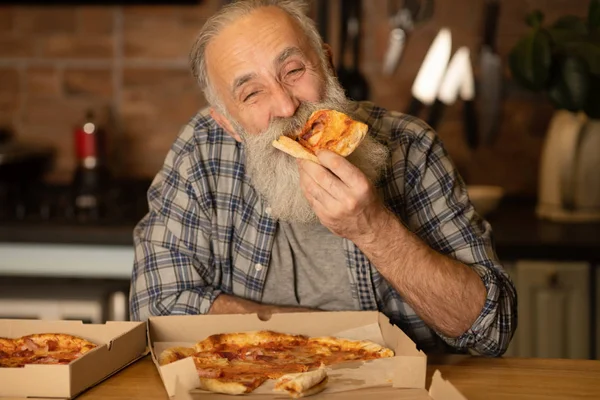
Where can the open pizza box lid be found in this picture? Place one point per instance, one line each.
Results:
(398, 377)
(120, 344)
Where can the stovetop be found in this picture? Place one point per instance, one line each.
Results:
(122, 203)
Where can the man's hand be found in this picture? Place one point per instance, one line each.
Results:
(226, 304)
(342, 197)
(445, 293)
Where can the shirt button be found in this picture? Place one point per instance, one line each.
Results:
(258, 267)
(268, 210)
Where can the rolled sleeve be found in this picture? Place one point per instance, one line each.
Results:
(440, 212)
(493, 329)
(173, 269)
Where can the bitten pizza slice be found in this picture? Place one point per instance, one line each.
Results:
(325, 129)
(234, 384)
(302, 384)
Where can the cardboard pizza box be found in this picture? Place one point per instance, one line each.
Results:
(400, 377)
(120, 344)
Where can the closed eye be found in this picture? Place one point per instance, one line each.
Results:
(250, 96)
(295, 71)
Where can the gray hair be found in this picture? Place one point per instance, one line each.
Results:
(297, 9)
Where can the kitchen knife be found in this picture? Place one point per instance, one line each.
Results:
(450, 86)
(490, 81)
(396, 43)
(467, 95)
(425, 87)
(402, 23)
(323, 18)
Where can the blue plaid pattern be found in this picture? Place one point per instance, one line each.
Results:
(209, 232)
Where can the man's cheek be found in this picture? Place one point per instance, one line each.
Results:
(311, 89)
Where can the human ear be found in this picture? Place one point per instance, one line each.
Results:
(329, 55)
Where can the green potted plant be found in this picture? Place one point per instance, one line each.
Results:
(562, 61)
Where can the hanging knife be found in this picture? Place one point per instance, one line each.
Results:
(450, 86)
(470, 119)
(426, 85)
(403, 22)
(490, 82)
(458, 81)
(323, 18)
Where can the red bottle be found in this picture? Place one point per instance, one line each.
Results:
(91, 175)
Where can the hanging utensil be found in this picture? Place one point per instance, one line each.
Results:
(490, 82)
(470, 118)
(341, 70)
(323, 18)
(450, 86)
(402, 23)
(426, 85)
(458, 81)
(353, 81)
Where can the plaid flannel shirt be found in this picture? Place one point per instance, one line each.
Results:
(209, 232)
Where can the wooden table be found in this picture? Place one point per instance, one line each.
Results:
(477, 378)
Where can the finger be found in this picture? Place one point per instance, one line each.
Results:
(314, 204)
(348, 173)
(315, 193)
(325, 179)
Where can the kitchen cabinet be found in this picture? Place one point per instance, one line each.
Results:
(60, 281)
(554, 309)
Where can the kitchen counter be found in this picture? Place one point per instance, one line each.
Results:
(475, 377)
(519, 234)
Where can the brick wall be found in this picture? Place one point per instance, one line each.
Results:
(130, 65)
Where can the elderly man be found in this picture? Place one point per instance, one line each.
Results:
(237, 226)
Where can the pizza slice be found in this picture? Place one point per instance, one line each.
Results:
(235, 384)
(302, 384)
(325, 129)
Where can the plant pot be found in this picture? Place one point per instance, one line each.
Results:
(569, 184)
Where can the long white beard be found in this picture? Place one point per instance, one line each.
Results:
(274, 174)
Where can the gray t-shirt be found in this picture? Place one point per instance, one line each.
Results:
(308, 269)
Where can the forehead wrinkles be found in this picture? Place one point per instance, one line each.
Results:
(241, 41)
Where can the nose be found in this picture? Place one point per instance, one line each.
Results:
(285, 103)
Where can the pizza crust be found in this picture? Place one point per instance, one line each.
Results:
(234, 387)
(302, 384)
(294, 149)
(173, 354)
(346, 344)
(217, 386)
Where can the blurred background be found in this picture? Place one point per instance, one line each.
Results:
(92, 97)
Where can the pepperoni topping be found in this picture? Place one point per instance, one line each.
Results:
(52, 345)
(228, 355)
(23, 353)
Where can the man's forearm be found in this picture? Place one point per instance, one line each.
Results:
(445, 293)
(226, 304)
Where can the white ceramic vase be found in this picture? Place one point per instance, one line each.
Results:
(569, 175)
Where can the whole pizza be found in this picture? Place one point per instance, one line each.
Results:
(42, 348)
(238, 363)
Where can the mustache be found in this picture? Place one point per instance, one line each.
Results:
(290, 126)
